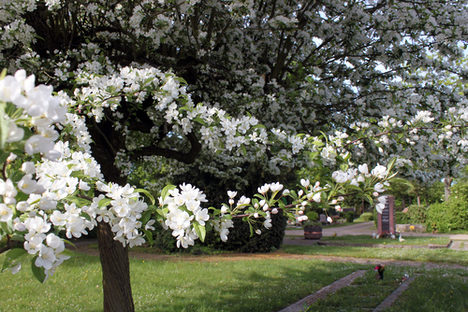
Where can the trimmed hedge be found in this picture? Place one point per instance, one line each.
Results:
(448, 216)
(239, 238)
(365, 217)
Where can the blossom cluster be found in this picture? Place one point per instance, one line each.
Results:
(184, 214)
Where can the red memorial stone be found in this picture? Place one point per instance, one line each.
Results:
(386, 219)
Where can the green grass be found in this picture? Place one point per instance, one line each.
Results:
(439, 255)
(435, 291)
(432, 290)
(244, 285)
(408, 240)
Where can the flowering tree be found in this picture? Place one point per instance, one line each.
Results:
(51, 183)
(274, 75)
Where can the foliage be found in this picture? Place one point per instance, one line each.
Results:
(241, 239)
(401, 218)
(349, 216)
(312, 215)
(364, 217)
(417, 214)
(448, 216)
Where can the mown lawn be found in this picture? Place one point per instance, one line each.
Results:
(261, 284)
(438, 255)
(432, 290)
(243, 285)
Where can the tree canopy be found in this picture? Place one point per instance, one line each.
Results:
(226, 95)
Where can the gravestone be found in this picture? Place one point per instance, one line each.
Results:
(386, 219)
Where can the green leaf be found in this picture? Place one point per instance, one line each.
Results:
(166, 189)
(149, 236)
(369, 199)
(12, 257)
(39, 273)
(148, 194)
(200, 230)
(146, 216)
(104, 202)
(66, 241)
(3, 126)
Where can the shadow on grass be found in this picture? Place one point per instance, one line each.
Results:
(248, 286)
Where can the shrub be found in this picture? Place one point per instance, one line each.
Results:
(448, 216)
(365, 217)
(163, 239)
(239, 238)
(349, 216)
(312, 215)
(401, 218)
(416, 214)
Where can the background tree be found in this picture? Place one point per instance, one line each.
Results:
(307, 66)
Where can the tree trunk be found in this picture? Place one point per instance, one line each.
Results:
(447, 185)
(116, 286)
(115, 272)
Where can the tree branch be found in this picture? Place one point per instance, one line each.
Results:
(188, 158)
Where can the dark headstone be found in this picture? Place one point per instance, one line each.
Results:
(386, 219)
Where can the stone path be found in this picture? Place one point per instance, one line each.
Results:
(324, 292)
(387, 303)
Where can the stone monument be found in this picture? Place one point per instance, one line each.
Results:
(386, 219)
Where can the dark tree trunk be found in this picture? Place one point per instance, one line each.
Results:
(447, 185)
(116, 285)
(115, 272)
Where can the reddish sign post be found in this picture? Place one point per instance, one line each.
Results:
(386, 219)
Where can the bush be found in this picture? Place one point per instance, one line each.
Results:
(416, 214)
(448, 216)
(163, 239)
(349, 216)
(239, 238)
(312, 216)
(401, 218)
(365, 217)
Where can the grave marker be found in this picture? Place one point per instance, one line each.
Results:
(386, 219)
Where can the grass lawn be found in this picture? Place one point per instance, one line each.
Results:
(408, 240)
(244, 285)
(440, 255)
(434, 290)
(241, 285)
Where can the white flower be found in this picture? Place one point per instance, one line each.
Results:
(276, 187)
(55, 242)
(15, 133)
(28, 185)
(201, 216)
(231, 194)
(37, 225)
(38, 144)
(28, 167)
(378, 187)
(317, 197)
(5, 213)
(305, 183)
(379, 171)
(264, 189)
(363, 169)
(7, 188)
(329, 220)
(149, 225)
